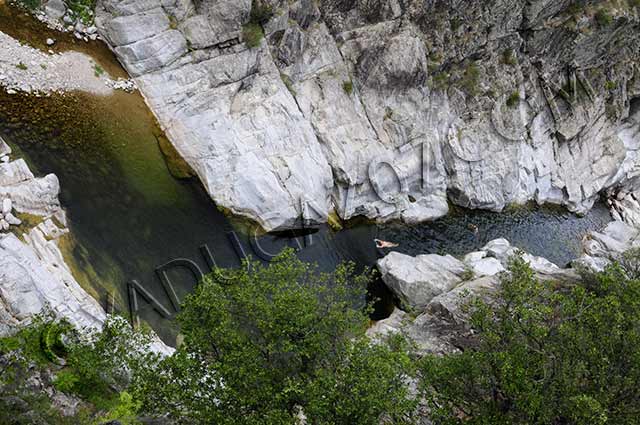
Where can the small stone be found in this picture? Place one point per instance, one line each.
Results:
(68, 20)
(77, 35)
(4, 159)
(92, 29)
(12, 220)
(55, 9)
(93, 37)
(11, 91)
(50, 41)
(4, 225)
(7, 206)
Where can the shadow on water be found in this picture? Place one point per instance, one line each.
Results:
(128, 215)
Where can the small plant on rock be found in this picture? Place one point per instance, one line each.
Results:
(509, 58)
(513, 99)
(98, 70)
(22, 66)
(347, 86)
(252, 34)
(603, 18)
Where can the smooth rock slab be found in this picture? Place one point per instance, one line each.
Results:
(417, 280)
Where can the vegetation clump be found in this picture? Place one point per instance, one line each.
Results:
(603, 18)
(545, 353)
(260, 14)
(470, 80)
(252, 34)
(98, 70)
(347, 86)
(513, 100)
(269, 343)
(509, 58)
(30, 4)
(82, 9)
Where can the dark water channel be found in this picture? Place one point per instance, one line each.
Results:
(128, 215)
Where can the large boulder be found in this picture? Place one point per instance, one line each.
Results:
(417, 280)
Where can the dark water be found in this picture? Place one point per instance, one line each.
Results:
(128, 215)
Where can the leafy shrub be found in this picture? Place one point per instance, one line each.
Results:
(347, 86)
(252, 34)
(471, 79)
(281, 337)
(509, 58)
(66, 381)
(545, 353)
(513, 99)
(83, 9)
(98, 70)
(603, 18)
(260, 12)
(30, 4)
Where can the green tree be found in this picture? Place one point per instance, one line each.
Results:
(546, 353)
(264, 343)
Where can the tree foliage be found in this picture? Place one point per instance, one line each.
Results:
(545, 354)
(264, 343)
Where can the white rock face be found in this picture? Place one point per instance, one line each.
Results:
(34, 277)
(417, 280)
(433, 287)
(33, 274)
(341, 105)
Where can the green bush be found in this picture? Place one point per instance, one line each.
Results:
(30, 4)
(260, 12)
(603, 18)
(471, 79)
(513, 100)
(545, 353)
(509, 58)
(98, 70)
(347, 86)
(280, 337)
(66, 381)
(252, 34)
(82, 9)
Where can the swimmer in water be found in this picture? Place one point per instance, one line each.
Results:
(385, 244)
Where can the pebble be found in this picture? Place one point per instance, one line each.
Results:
(7, 206)
(4, 225)
(11, 91)
(5, 159)
(50, 41)
(12, 220)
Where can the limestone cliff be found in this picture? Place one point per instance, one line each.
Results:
(389, 108)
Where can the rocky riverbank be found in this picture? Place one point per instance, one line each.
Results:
(34, 278)
(432, 289)
(388, 109)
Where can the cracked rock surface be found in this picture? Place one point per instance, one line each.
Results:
(389, 108)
